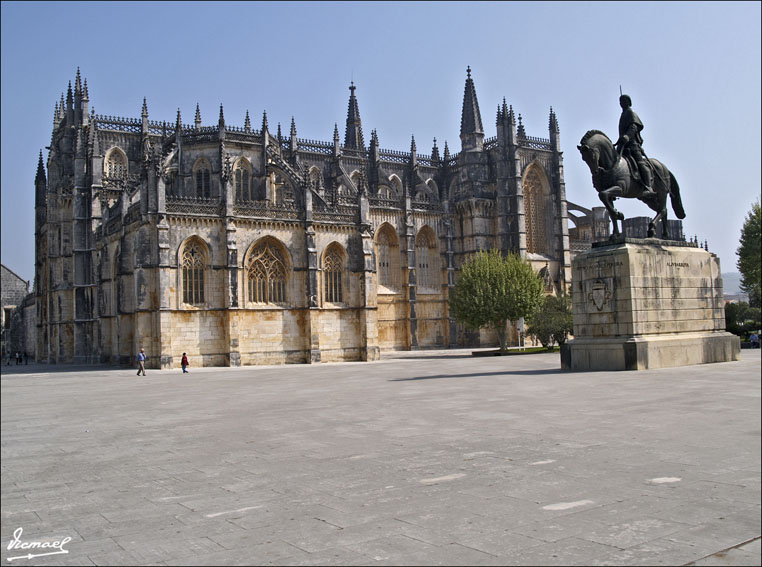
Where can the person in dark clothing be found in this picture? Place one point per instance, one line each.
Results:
(630, 141)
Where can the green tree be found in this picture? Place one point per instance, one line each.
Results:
(552, 322)
(493, 289)
(750, 256)
(741, 319)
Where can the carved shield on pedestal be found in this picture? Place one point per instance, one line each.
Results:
(600, 294)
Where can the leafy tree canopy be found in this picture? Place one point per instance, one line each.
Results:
(750, 255)
(493, 289)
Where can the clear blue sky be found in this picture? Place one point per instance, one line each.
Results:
(692, 69)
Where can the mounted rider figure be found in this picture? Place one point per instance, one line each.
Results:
(630, 142)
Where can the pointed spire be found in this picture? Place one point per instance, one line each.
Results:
(69, 98)
(412, 144)
(511, 116)
(56, 115)
(40, 184)
(521, 132)
(446, 152)
(435, 152)
(471, 118)
(499, 116)
(40, 177)
(144, 111)
(178, 121)
(471, 129)
(505, 108)
(336, 148)
(292, 145)
(373, 154)
(280, 137)
(78, 84)
(264, 122)
(197, 121)
(222, 115)
(247, 123)
(353, 138)
(85, 94)
(552, 121)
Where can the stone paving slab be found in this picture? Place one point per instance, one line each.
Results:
(422, 458)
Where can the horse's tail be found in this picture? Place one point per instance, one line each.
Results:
(674, 195)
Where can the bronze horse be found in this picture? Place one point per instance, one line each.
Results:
(612, 178)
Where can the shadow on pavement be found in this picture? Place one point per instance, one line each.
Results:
(475, 374)
(36, 368)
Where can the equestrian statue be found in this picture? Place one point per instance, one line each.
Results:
(623, 170)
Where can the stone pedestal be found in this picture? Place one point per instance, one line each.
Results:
(647, 303)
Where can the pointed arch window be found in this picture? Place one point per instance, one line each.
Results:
(388, 254)
(193, 264)
(315, 179)
(333, 274)
(536, 203)
(267, 274)
(202, 175)
(243, 182)
(427, 261)
(116, 165)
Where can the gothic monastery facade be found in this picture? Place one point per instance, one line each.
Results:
(243, 246)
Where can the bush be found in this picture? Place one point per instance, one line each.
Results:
(552, 323)
(741, 319)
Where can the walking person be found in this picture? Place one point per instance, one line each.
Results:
(18, 358)
(184, 364)
(141, 362)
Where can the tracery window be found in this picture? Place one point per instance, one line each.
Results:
(536, 205)
(202, 173)
(333, 275)
(266, 274)
(388, 258)
(396, 185)
(385, 192)
(193, 262)
(427, 260)
(116, 165)
(315, 179)
(243, 182)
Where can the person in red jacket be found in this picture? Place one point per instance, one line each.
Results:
(184, 364)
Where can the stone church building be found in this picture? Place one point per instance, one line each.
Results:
(245, 246)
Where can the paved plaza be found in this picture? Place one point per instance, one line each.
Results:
(422, 458)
